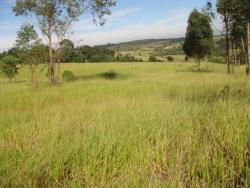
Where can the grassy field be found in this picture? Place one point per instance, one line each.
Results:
(149, 125)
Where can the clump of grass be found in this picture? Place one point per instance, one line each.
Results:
(108, 75)
(68, 75)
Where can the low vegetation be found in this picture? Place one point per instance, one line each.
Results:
(160, 125)
(8, 66)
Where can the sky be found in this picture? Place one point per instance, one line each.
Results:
(130, 20)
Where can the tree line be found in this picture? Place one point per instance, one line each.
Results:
(235, 15)
(236, 19)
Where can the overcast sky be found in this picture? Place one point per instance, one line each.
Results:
(131, 20)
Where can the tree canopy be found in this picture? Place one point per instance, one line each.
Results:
(56, 17)
(199, 36)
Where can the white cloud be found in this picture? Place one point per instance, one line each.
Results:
(173, 26)
(124, 12)
(133, 32)
(88, 25)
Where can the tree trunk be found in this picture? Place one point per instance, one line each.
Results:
(244, 50)
(198, 64)
(233, 61)
(34, 80)
(248, 48)
(237, 55)
(227, 46)
(59, 60)
(51, 67)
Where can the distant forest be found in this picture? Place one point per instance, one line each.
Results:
(113, 52)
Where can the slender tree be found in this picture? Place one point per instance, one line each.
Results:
(224, 8)
(199, 37)
(31, 50)
(248, 36)
(50, 14)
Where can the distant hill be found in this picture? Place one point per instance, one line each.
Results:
(138, 44)
(160, 48)
(143, 49)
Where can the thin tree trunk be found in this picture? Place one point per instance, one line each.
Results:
(233, 57)
(34, 80)
(59, 60)
(51, 68)
(248, 48)
(235, 54)
(198, 64)
(244, 50)
(227, 46)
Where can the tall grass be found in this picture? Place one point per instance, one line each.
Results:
(152, 125)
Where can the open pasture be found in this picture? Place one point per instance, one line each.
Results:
(146, 125)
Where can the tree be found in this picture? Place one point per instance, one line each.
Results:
(56, 17)
(199, 37)
(30, 48)
(248, 36)
(65, 50)
(236, 16)
(224, 8)
(9, 67)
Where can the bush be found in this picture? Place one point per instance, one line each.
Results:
(154, 59)
(170, 58)
(68, 75)
(127, 58)
(9, 66)
(186, 58)
(108, 75)
(219, 60)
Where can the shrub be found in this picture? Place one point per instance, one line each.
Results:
(219, 60)
(9, 66)
(154, 59)
(170, 58)
(68, 75)
(126, 58)
(108, 75)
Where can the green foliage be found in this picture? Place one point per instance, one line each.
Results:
(170, 58)
(127, 58)
(87, 54)
(215, 59)
(186, 58)
(27, 37)
(67, 44)
(14, 51)
(51, 14)
(68, 75)
(199, 36)
(30, 49)
(108, 75)
(9, 67)
(154, 59)
(66, 50)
